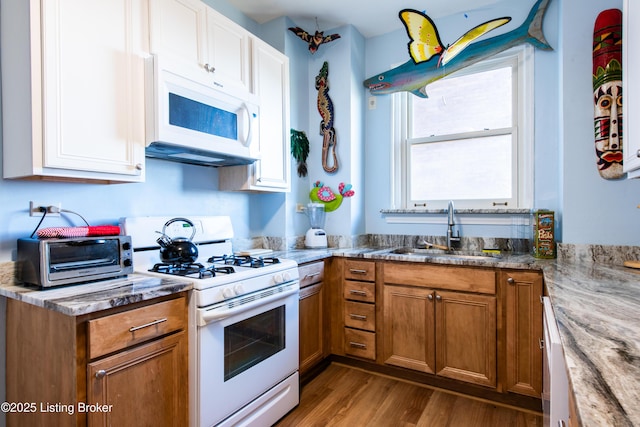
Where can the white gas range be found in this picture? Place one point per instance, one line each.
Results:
(243, 335)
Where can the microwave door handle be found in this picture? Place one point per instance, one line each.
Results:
(249, 124)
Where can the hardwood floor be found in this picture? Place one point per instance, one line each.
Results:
(345, 396)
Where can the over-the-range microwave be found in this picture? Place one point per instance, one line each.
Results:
(188, 120)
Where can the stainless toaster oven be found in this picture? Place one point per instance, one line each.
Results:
(54, 262)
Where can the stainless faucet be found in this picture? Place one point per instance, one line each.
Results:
(451, 237)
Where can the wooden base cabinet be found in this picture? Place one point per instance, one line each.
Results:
(313, 330)
(359, 309)
(116, 367)
(523, 331)
(432, 329)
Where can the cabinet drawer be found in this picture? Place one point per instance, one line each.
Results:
(360, 343)
(360, 315)
(118, 331)
(360, 270)
(359, 291)
(481, 280)
(311, 273)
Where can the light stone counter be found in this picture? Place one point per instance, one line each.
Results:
(87, 298)
(597, 307)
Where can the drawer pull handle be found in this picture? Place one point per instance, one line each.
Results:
(356, 292)
(310, 275)
(357, 345)
(146, 325)
(357, 316)
(355, 271)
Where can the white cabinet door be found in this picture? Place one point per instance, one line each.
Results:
(271, 84)
(178, 28)
(631, 88)
(271, 75)
(228, 54)
(85, 118)
(213, 46)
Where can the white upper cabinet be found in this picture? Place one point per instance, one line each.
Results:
(211, 44)
(73, 89)
(631, 88)
(270, 69)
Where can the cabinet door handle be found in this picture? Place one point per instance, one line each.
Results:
(357, 344)
(146, 325)
(357, 271)
(430, 297)
(357, 316)
(511, 281)
(438, 298)
(356, 292)
(101, 374)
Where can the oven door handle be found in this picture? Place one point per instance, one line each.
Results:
(220, 313)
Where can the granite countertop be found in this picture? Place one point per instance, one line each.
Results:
(597, 308)
(87, 298)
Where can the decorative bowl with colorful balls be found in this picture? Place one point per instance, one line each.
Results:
(321, 193)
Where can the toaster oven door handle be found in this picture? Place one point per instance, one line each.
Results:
(82, 264)
(86, 242)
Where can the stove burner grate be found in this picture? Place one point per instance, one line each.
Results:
(190, 269)
(243, 260)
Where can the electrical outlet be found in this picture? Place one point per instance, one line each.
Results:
(299, 208)
(34, 209)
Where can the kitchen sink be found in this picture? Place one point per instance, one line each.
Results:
(438, 253)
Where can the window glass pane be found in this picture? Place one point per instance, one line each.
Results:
(470, 169)
(466, 103)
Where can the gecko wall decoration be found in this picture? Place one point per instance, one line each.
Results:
(325, 108)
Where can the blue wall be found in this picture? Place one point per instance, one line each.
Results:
(589, 209)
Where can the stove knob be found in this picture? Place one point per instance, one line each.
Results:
(227, 293)
(239, 289)
(286, 276)
(277, 278)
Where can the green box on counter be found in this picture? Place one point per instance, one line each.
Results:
(544, 244)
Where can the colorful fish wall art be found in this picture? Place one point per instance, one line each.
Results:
(431, 60)
(321, 193)
(607, 93)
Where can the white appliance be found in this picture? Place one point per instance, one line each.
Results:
(316, 237)
(555, 387)
(243, 329)
(190, 121)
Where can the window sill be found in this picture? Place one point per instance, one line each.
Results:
(463, 216)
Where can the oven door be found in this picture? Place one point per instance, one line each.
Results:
(245, 350)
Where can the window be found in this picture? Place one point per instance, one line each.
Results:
(471, 141)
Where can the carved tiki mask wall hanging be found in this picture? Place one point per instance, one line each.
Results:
(607, 92)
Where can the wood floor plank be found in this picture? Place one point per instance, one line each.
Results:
(342, 396)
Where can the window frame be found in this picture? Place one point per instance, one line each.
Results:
(522, 60)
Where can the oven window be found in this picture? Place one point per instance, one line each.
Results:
(253, 340)
(194, 115)
(83, 254)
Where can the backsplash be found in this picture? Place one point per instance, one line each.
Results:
(601, 254)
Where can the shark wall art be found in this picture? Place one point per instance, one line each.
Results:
(413, 76)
